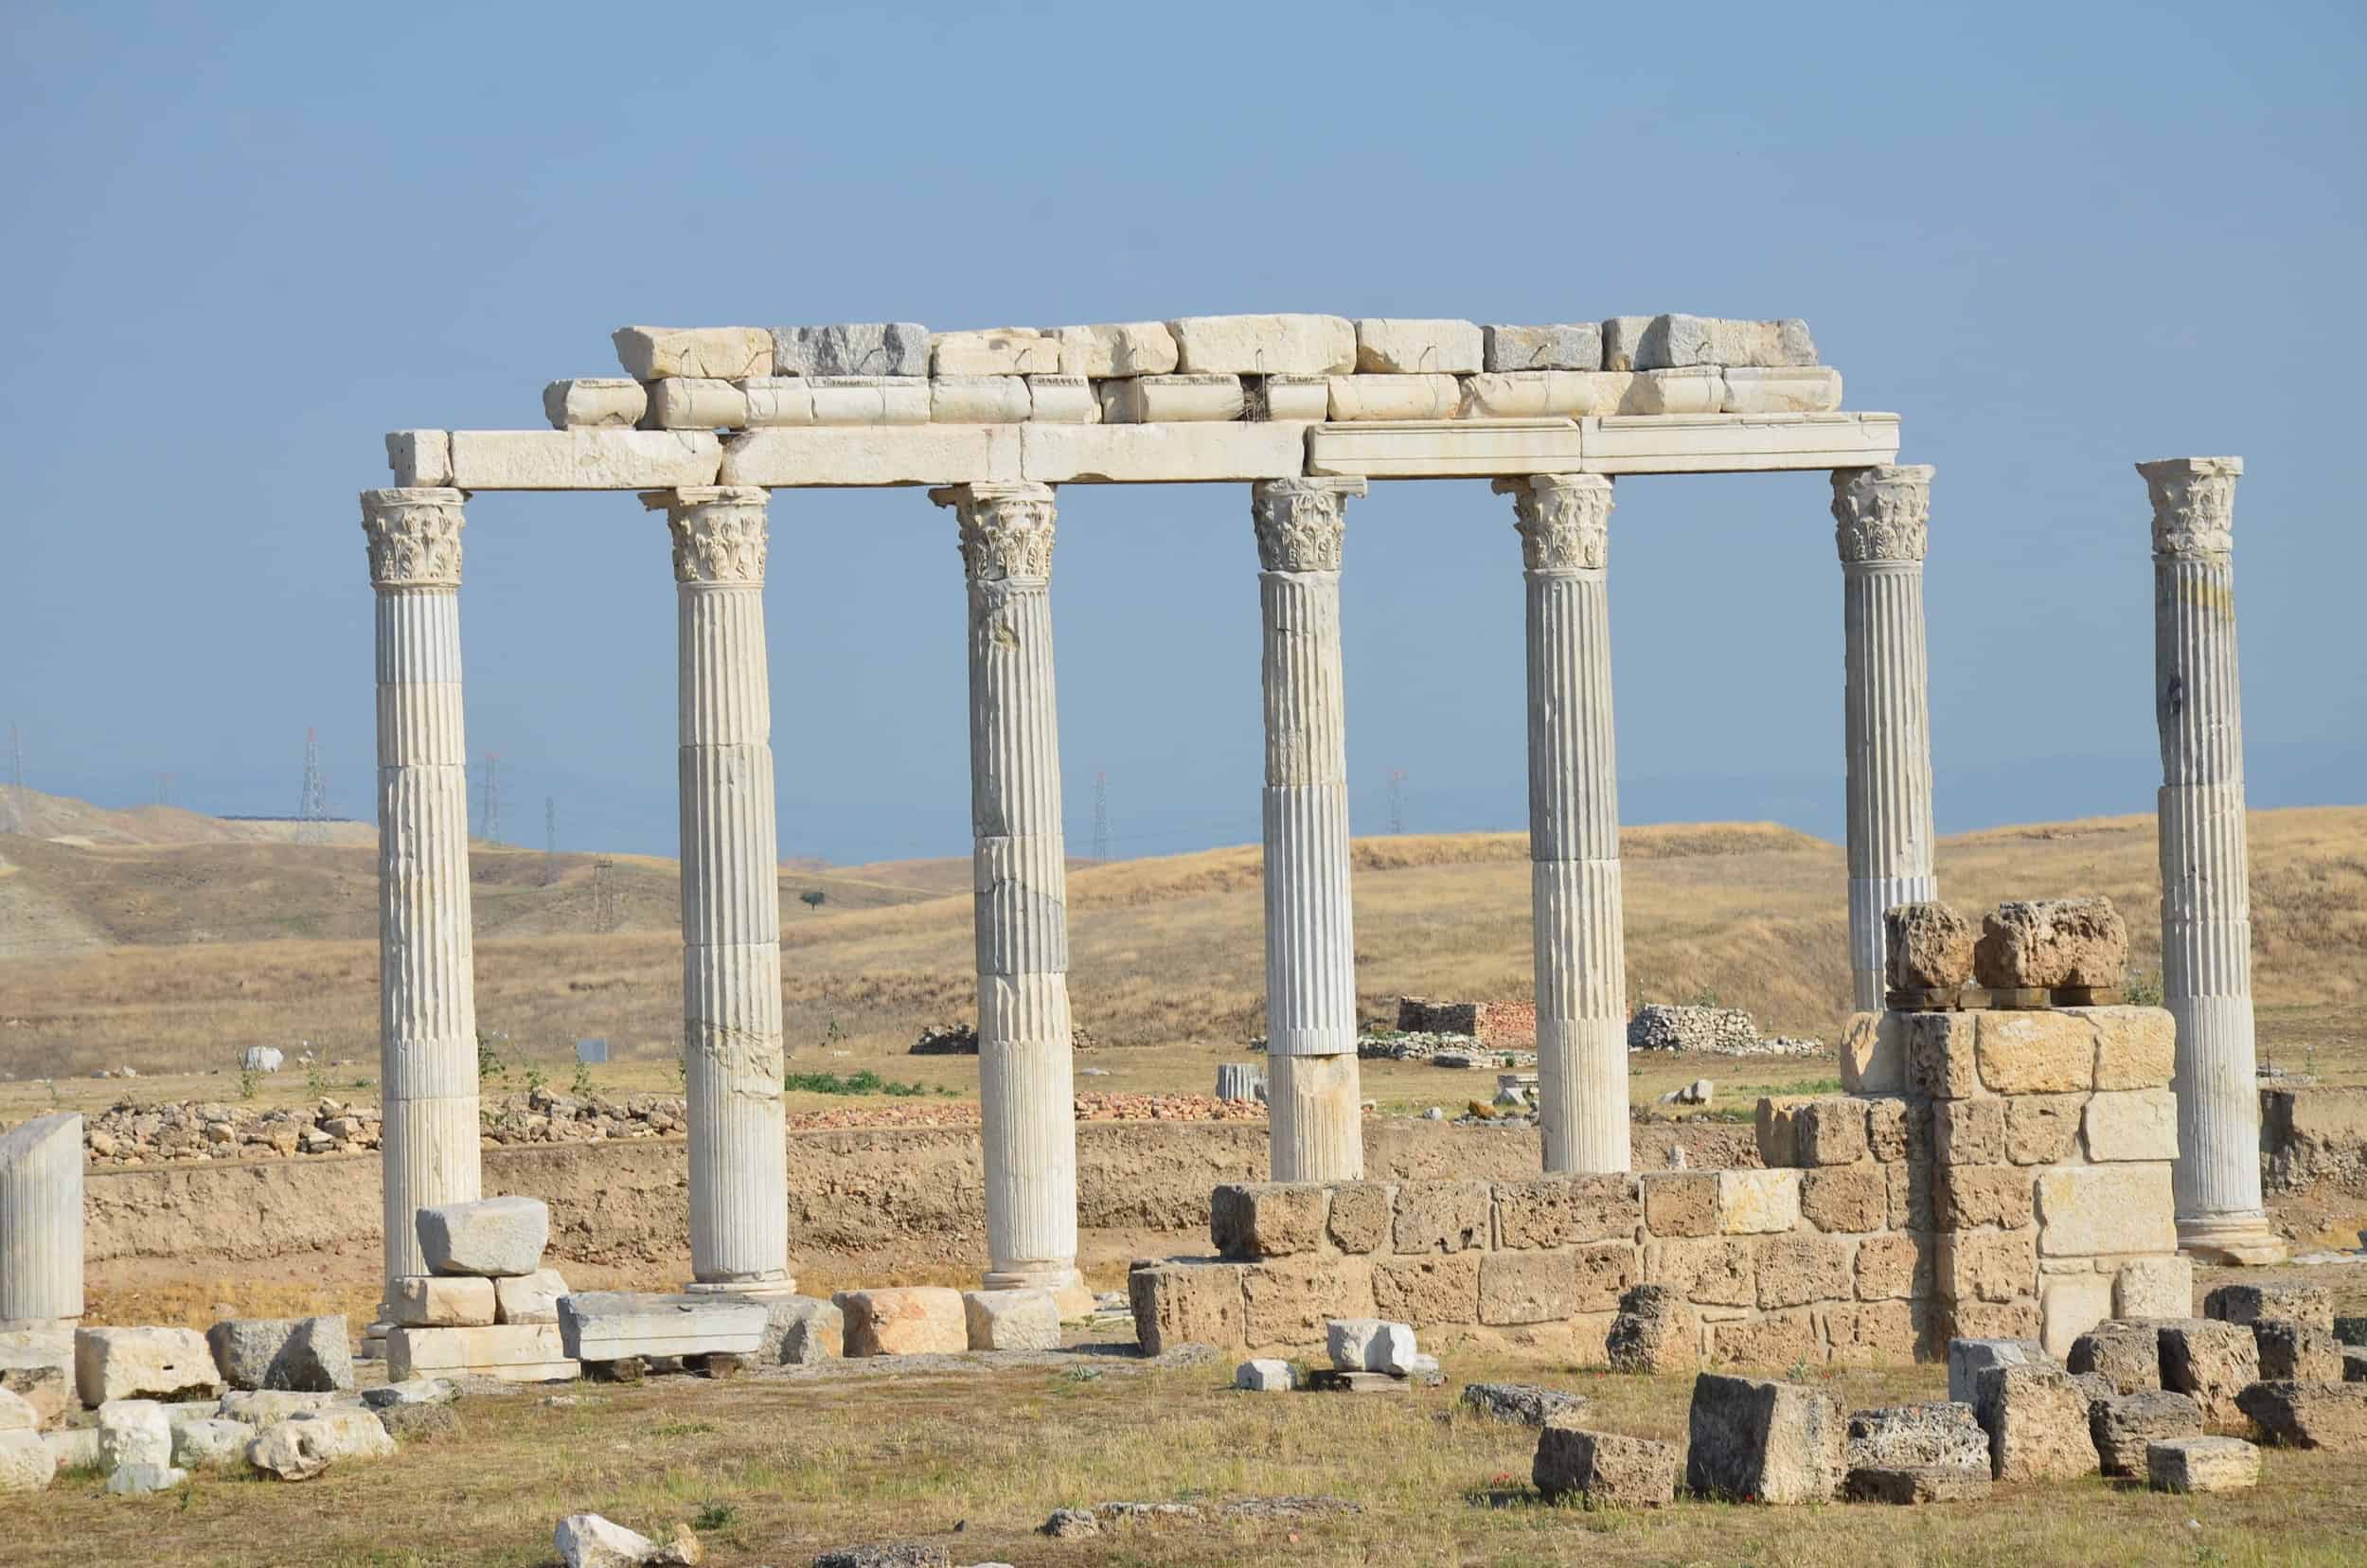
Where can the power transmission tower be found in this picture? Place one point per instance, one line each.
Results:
(163, 788)
(603, 895)
(550, 840)
(312, 802)
(491, 816)
(1101, 819)
(1397, 800)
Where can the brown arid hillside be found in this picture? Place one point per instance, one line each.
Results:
(172, 956)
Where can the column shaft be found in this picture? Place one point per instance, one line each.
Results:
(41, 1223)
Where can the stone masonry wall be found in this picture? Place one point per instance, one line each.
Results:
(2011, 1180)
(1502, 1024)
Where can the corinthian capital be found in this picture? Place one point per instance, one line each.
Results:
(719, 531)
(1005, 530)
(1563, 518)
(1301, 521)
(2194, 505)
(414, 537)
(1881, 511)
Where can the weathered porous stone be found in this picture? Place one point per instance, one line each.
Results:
(2122, 1427)
(2296, 1352)
(1944, 1434)
(491, 1237)
(1265, 1375)
(2211, 1363)
(2126, 1354)
(904, 1321)
(2154, 1288)
(2315, 1416)
(1764, 1442)
(2297, 1303)
(1521, 1404)
(1608, 1469)
(2037, 1419)
(2202, 1465)
(1917, 1483)
(143, 1364)
(312, 1355)
(1929, 947)
(1011, 1320)
(305, 1445)
(529, 1298)
(2052, 943)
(1566, 345)
(1251, 1220)
(1180, 1304)
(1655, 1331)
(914, 1554)
(852, 349)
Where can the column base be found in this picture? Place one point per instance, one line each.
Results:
(785, 1286)
(2233, 1241)
(1067, 1288)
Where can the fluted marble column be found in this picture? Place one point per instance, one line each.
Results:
(1882, 515)
(2206, 901)
(427, 988)
(41, 1223)
(1315, 1125)
(731, 908)
(1018, 861)
(1573, 821)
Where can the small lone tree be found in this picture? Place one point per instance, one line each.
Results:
(811, 897)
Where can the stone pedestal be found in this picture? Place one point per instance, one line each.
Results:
(1020, 860)
(427, 995)
(731, 911)
(2206, 905)
(41, 1223)
(1882, 515)
(1574, 823)
(1312, 1104)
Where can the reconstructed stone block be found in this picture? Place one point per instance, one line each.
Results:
(1805, 389)
(852, 349)
(1679, 1204)
(1116, 348)
(1690, 389)
(1605, 1469)
(1655, 1331)
(2211, 1363)
(1764, 1442)
(725, 354)
(1985, 1265)
(491, 1237)
(1286, 398)
(2132, 1124)
(1675, 340)
(1967, 1196)
(2037, 1419)
(2154, 1288)
(1874, 1054)
(1927, 946)
(143, 1364)
(979, 400)
(311, 1355)
(1916, 1483)
(2202, 1465)
(2052, 943)
(583, 459)
(1944, 1434)
(1146, 399)
(529, 1298)
(1556, 1211)
(1011, 1320)
(2136, 1048)
(585, 402)
(429, 1301)
(2122, 1427)
(421, 459)
(1755, 1203)
(1187, 1304)
(909, 1320)
(1431, 449)
(2315, 1416)
(683, 402)
(2296, 1352)
(1287, 1301)
(1567, 345)
(1360, 1213)
(1442, 1216)
(520, 1352)
(1250, 1220)
(2310, 1304)
(2126, 1354)
(2069, 1305)
(1831, 1132)
(2084, 1210)
(1942, 1054)
(1797, 1270)
(2043, 1129)
(1969, 1132)
(1968, 1358)
(1404, 346)
(1380, 398)
(2035, 1053)
(995, 352)
(1063, 399)
(1265, 345)
(1848, 1198)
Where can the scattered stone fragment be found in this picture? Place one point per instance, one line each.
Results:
(2121, 1426)
(1265, 1375)
(587, 1541)
(904, 1321)
(896, 1553)
(17, 1414)
(1968, 1358)
(2211, 1362)
(1521, 1404)
(142, 1479)
(801, 1330)
(303, 1446)
(143, 1364)
(1909, 1484)
(492, 1237)
(1369, 1345)
(2128, 1354)
(411, 1391)
(28, 1461)
(716, 1365)
(2296, 1352)
(210, 1443)
(1072, 1524)
(2037, 1419)
(1605, 1469)
(1930, 948)
(1655, 1331)
(1011, 1320)
(1918, 1437)
(1761, 1441)
(2319, 1415)
(263, 1407)
(313, 1354)
(2051, 944)
(74, 1448)
(2310, 1304)
(44, 1381)
(134, 1432)
(2202, 1465)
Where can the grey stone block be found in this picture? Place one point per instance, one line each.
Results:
(492, 1237)
(852, 349)
(1564, 346)
(1764, 1442)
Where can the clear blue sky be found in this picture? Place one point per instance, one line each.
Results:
(247, 240)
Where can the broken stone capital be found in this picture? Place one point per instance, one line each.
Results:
(2194, 505)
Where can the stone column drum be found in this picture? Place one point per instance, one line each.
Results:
(427, 988)
(41, 1223)
(1019, 876)
(730, 907)
(1574, 823)
(1314, 1121)
(2206, 901)
(1882, 515)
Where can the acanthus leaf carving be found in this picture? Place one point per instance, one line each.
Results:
(2194, 505)
(413, 536)
(719, 532)
(1301, 524)
(1006, 530)
(1563, 520)
(1883, 512)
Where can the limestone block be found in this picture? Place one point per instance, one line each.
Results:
(979, 400)
(491, 1237)
(1928, 947)
(1944, 1434)
(1874, 1054)
(2297, 1303)
(1192, 450)
(1757, 1202)
(1265, 1375)
(1795, 1271)
(1878, 1333)
(1690, 390)
(1726, 443)
(1967, 1133)
(1149, 400)
(1832, 1132)
(313, 1355)
(1985, 1265)
(851, 349)
(212, 1443)
(1187, 1304)
(1890, 1122)
(142, 1363)
(26, 1463)
(1777, 1124)
(2201, 1465)
(1063, 399)
(1893, 1266)
(1916, 1483)
(2037, 1419)
(1968, 1196)
(1969, 1358)
(2297, 1352)
(1537, 394)
(1528, 1286)
(1407, 397)
(2127, 1355)
(1521, 1404)
(587, 1541)
(2086, 1210)
(1116, 348)
(2211, 1363)
(1368, 1345)
(2329, 1416)
(1655, 1331)
(2035, 1053)
(683, 403)
(1564, 346)
(903, 1321)
(1679, 1204)
(1605, 1469)
(2121, 1426)
(429, 1301)
(1622, 335)
(516, 1352)
(1444, 1217)
(304, 1446)
(586, 402)
(1781, 1339)
(142, 1480)
(995, 352)
(1558, 1210)
(1301, 397)
(1011, 1320)
(42, 1382)
(1428, 450)
(2136, 1048)
(134, 1432)
(1427, 1290)
(73, 1448)
(613, 1325)
(2069, 1305)
(1267, 1219)
(800, 1331)
(1685, 340)
(1289, 1300)
(2132, 1124)
(261, 1407)
(1764, 1442)
(793, 401)
(1360, 1213)
(1265, 344)
(2154, 1288)
(2043, 1129)
(41, 1218)
(582, 459)
(1712, 1271)
(1810, 390)
(2050, 943)
(724, 353)
(1942, 1054)
(1395, 345)
(884, 454)
(529, 1298)
(421, 459)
